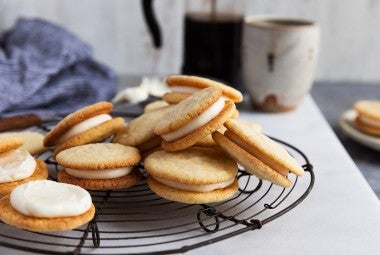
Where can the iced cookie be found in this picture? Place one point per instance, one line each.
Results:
(139, 132)
(90, 124)
(194, 118)
(257, 153)
(182, 86)
(99, 166)
(194, 175)
(17, 166)
(368, 116)
(47, 206)
(33, 141)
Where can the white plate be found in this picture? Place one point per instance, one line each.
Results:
(346, 123)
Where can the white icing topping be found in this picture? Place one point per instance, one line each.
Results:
(49, 199)
(369, 121)
(83, 126)
(197, 122)
(198, 188)
(184, 89)
(99, 174)
(16, 165)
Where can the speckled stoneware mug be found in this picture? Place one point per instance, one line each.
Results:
(279, 57)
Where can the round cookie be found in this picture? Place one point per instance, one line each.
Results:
(75, 118)
(40, 173)
(257, 153)
(96, 134)
(189, 110)
(33, 141)
(193, 175)
(194, 83)
(99, 156)
(368, 116)
(139, 132)
(155, 105)
(10, 144)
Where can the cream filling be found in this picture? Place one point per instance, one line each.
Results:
(369, 121)
(49, 199)
(197, 122)
(99, 174)
(189, 90)
(16, 165)
(198, 188)
(83, 126)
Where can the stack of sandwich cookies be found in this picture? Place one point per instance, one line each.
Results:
(139, 132)
(99, 166)
(90, 124)
(368, 116)
(33, 141)
(194, 175)
(47, 206)
(17, 166)
(183, 86)
(258, 154)
(194, 118)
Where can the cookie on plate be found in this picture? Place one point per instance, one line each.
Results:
(99, 166)
(139, 132)
(17, 166)
(182, 86)
(194, 175)
(33, 141)
(368, 116)
(257, 153)
(90, 124)
(194, 118)
(47, 206)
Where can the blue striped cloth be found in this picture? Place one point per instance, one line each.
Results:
(45, 69)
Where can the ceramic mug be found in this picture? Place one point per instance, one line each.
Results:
(278, 60)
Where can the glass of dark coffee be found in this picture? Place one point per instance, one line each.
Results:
(212, 43)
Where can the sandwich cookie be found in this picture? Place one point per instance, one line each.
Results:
(368, 116)
(194, 175)
(194, 118)
(33, 141)
(139, 132)
(47, 206)
(99, 166)
(17, 166)
(257, 153)
(183, 86)
(90, 124)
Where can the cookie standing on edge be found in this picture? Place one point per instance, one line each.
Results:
(99, 166)
(17, 166)
(90, 124)
(47, 206)
(194, 175)
(194, 118)
(183, 86)
(368, 116)
(258, 154)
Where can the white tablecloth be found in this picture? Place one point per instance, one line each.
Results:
(340, 216)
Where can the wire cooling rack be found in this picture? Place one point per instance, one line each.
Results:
(136, 221)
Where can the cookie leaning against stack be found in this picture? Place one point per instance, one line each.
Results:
(194, 118)
(194, 175)
(99, 166)
(47, 206)
(368, 116)
(90, 124)
(17, 166)
(258, 154)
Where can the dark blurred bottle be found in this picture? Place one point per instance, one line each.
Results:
(212, 41)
